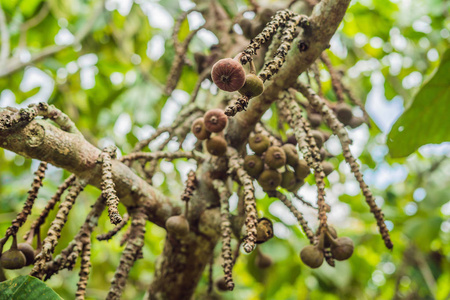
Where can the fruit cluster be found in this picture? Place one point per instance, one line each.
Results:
(340, 248)
(18, 256)
(210, 128)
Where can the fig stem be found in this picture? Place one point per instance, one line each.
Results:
(14, 243)
(332, 239)
(252, 67)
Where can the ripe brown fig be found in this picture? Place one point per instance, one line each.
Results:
(302, 169)
(216, 145)
(253, 86)
(13, 258)
(318, 137)
(344, 113)
(259, 143)
(253, 165)
(312, 256)
(314, 119)
(269, 180)
(177, 225)
(264, 230)
(275, 157)
(291, 154)
(327, 167)
(199, 130)
(215, 120)
(263, 261)
(228, 74)
(28, 251)
(342, 248)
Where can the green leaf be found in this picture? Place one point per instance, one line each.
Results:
(26, 287)
(426, 120)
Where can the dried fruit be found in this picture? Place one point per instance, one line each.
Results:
(314, 120)
(259, 143)
(327, 167)
(228, 74)
(275, 157)
(253, 165)
(344, 113)
(13, 258)
(312, 256)
(28, 251)
(263, 261)
(291, 154)
(253, 86)
(342, 248)
(215, 120)
(199, 130)
(177, 225)
(264, 230)
(269, 180)
(302, 169)
(216, 145)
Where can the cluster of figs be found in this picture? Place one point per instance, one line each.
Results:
(341, 248)
(18, 256)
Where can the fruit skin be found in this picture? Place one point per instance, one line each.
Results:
(13, 259)
(215, 120)
(314, 119)
(253, 165)
(221, 285)
(288, 180)
(312, 256)
(228, 74)
(253, 86)
(327, 167)
(318, 137)
(177, 225)
(342, 248)
(199, 130)
(264, 230)
(269, 180)
(344, 113)
(275, 157)
(302, 169)
(259, 143)
(28, 251)
(291, 154)
(216, 145)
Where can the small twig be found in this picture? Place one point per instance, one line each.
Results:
(225, 226)
(109, 235)
(108, 186)
(191, 185)
(148, 156)
(251, 219)
(5, 49)
(303, 223)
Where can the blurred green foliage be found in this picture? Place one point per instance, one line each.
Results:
(116, 73)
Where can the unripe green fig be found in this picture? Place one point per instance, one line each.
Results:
(269, 180)
(318, 137)
(288, 180)
(264, 230)
(327, 167)
(253, 165)
(275, 157)
(253, 86)
(302, 169)
(13, 258)
(259, 143)
(216, 145)
(344, 113)
(312, 256)
(314, 119)
(291, 154)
